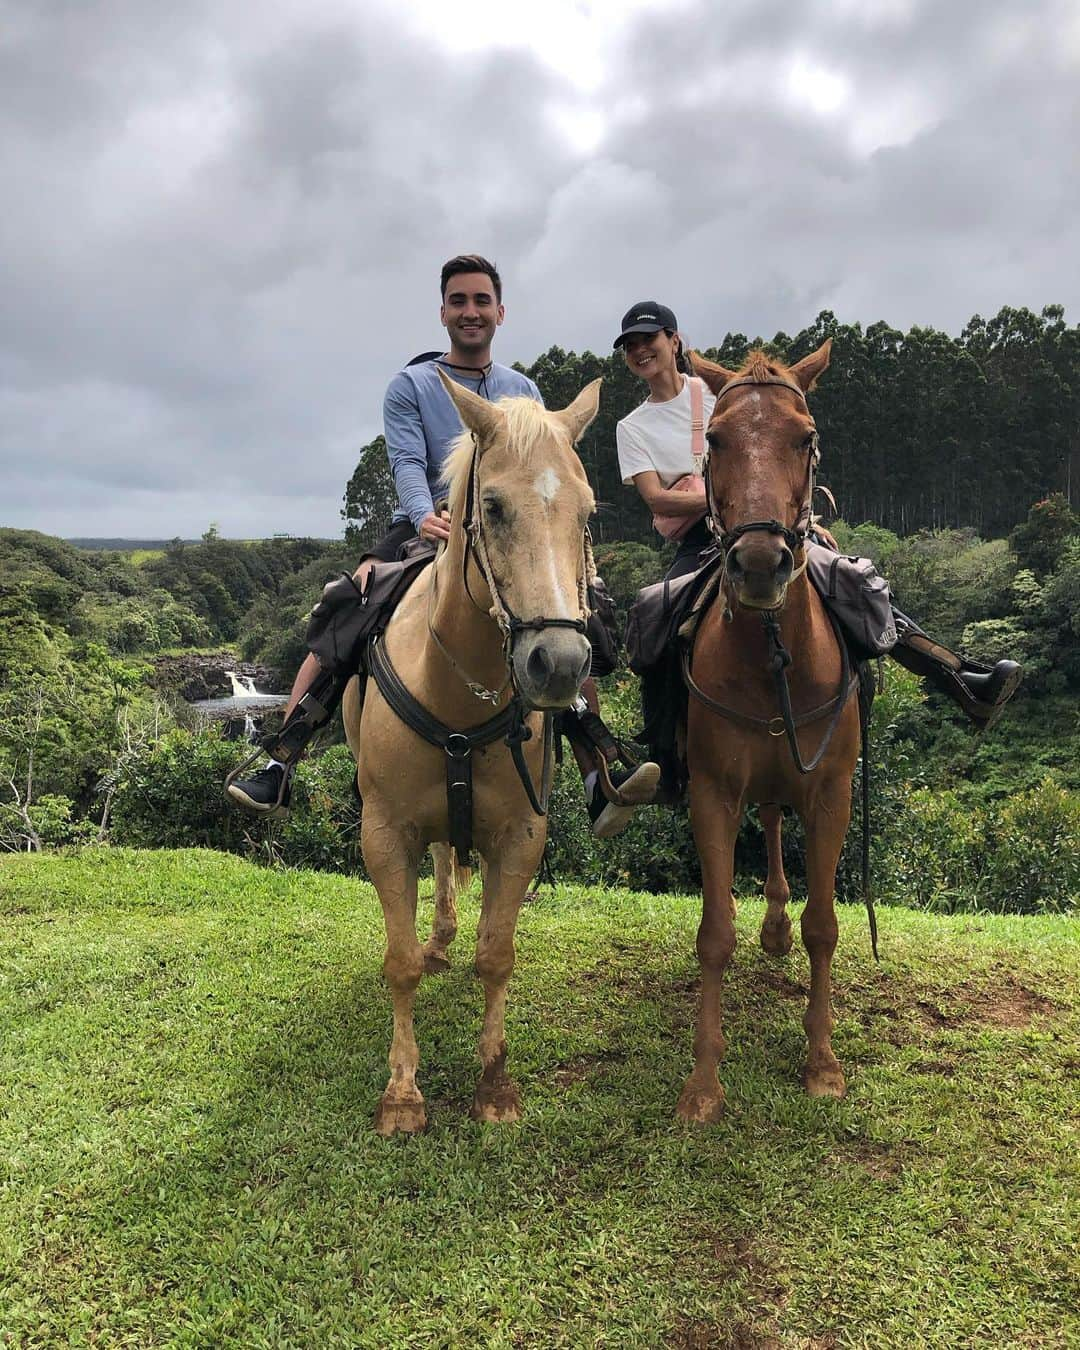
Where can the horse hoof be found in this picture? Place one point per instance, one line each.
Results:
(701, 1107)
(824, 1082)
(399, 1117)
(435, 963)
(496, 1105)
(776, 937)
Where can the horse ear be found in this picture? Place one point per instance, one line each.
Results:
(479, 416)
(810, 367)
(714, 376)
(581, 412)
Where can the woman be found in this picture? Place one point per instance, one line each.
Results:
(656, 444)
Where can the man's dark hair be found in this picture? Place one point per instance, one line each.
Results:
(470, 262)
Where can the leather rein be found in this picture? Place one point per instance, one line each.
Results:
(510, 724)
(794, 536)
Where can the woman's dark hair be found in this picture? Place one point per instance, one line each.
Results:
(470, 262)
(682, 359)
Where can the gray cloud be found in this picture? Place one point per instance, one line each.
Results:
(224, 227)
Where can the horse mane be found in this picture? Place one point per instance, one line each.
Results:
(760, 367)
(527, 424)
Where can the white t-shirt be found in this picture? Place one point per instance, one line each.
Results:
(657, 436)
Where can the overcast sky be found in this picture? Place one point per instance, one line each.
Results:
(223, 223)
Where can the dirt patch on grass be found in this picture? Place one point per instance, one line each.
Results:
(1008, 1004)
(583, 1067)
(889, 1009)
(695, 1334)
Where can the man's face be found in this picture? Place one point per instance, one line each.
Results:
(470, 313)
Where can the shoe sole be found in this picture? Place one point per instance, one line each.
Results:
(273, 811)
(614, 818)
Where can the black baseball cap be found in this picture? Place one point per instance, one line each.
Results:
(647, 316)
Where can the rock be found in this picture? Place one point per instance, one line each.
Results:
(201, 675)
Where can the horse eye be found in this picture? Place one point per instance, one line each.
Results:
(712, 440)
(494, 511)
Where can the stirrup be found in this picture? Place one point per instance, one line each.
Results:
(286, 778)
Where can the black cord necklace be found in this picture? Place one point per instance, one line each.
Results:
(481, 372)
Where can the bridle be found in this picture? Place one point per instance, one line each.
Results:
(510, 624)
(794, 536)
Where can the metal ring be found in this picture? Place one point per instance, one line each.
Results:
(782, 727)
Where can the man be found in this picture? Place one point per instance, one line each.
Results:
(421, 424)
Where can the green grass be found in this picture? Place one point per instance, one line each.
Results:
(193, 1047)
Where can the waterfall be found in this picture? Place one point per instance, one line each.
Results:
(242, 685)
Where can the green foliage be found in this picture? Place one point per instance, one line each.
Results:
(172, 795)
(1038, 542)
(370, 498)
(1033, 859)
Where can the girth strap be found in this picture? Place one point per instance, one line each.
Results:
(459, 745)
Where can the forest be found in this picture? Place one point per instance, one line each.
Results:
(953, 463)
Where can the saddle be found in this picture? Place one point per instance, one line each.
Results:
(348, 616)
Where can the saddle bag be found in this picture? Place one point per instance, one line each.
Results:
(659, 611)
(346, 617)
(858, 598)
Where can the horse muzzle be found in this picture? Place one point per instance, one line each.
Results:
(550, 666)
(759, 568)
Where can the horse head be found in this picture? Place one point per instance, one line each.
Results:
(762, 452)
(518, 490)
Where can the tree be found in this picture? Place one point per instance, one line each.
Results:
(370, 497)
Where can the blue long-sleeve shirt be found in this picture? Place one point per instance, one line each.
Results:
(421, 423)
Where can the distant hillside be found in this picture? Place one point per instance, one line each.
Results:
(125, 545)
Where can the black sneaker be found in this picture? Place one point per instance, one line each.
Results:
(265, 793)
(611, 818)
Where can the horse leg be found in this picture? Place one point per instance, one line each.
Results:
(391, 859)
(509, 871)
(776, 926)
(825, 831)
(715, 826)
(444, 924)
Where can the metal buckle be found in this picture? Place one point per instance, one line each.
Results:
(481, 692)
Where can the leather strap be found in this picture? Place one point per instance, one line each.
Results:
(509, 724)
(697, 420)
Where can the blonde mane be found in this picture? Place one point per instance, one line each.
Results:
(527, 424)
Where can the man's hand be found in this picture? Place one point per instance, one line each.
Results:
(435, 527)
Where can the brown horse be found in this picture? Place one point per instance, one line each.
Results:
(519, 504)
(762, 451)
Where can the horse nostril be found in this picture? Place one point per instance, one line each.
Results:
(540, 667)
(734, 566)
(584, 668)
(786, 566)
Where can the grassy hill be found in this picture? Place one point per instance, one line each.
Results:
(193, 1048)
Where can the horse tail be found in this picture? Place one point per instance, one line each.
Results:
(462, 871)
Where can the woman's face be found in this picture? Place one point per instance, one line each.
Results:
(647, 354)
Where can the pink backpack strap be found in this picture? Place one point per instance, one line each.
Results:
(697, 420)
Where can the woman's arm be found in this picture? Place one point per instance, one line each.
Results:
(663, 501)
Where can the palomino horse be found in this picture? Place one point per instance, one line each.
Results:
(761, 457)
(519, 505)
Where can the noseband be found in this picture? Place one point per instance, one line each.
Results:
(794, 536)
